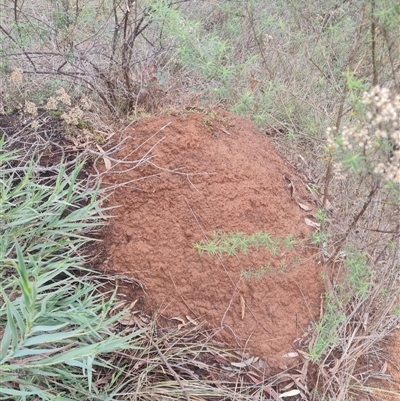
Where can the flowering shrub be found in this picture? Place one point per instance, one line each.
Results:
(372, 144)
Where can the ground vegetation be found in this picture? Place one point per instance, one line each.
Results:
(321, 79)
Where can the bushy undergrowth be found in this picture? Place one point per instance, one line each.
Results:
(287, 65)
(363, 247)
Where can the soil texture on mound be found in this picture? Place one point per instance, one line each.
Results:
(205, 182)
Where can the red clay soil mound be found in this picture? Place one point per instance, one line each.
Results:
(207, 174)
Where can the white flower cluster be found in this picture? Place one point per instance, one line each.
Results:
(17, 76)
(86, 103)
(30, 108)
(73, 116)
(378, 134)
(62, 96)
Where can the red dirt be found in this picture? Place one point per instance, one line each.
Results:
(390, 390)
(228, 178)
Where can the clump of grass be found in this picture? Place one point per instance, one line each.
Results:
(290, 241)
(257, 274)
(56, 327)
(359, 273)
(319, 238)
(361, 305)
(326, 330)
(232, 243)
(355, 285)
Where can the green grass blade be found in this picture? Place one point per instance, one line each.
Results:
(53, 337)
(5, 342)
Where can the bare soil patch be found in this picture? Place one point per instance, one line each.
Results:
(211, 173)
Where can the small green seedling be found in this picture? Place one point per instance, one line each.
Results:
(257, 274)
(231, 243)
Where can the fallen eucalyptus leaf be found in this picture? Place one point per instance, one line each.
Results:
(239, 364)
(192, 321)
(242, 306)
(107, 162)
(291, 355)
(311, 223)
(290, 393)
(304, 207)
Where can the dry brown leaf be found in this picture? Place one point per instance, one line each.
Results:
(192, 321)
(304, 369)
(288, 386)
(118, 306)
(243, 364)
(127, 320)
(365, 320)
(145, 319)
(239, 364)
(107, 162)
(291, 355)
(290, 393)
(299, 384)
(225, 131)
(183, 323)
(242, 306)
(254, 377)
(304, 207)
(249, 361)
(311, 223)
(383, 368)
(328, 205)
(131, 306)
(268, 389)
(179, 320)
(228, 368)
(291, 186)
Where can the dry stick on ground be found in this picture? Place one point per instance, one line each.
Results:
(176, 376)
(145, 159)
(183, 299)
(373, 45)
(124, 161)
